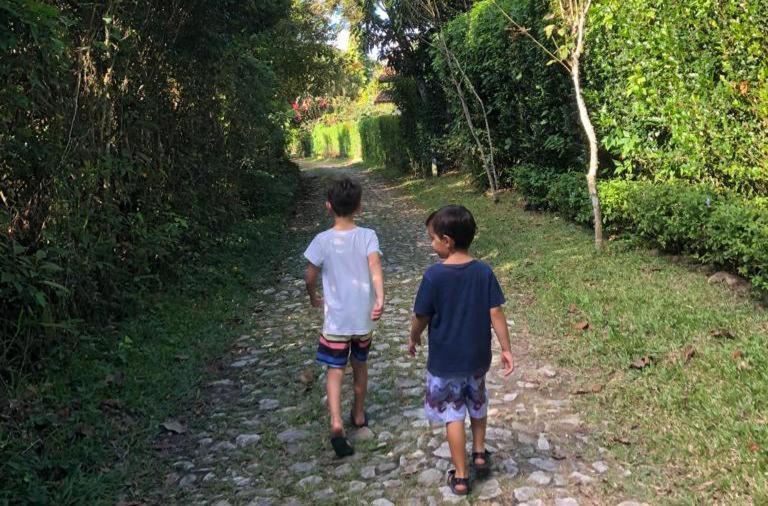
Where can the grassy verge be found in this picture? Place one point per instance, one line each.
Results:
(88, 421)
(694, 422)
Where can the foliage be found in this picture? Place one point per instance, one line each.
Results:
(716, 226)
(381, 141)
(681, 89)
(531, 110)
(132, 132)
(339, 140)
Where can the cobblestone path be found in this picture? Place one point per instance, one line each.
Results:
(262, 436)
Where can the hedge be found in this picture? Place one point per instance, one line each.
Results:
(713, 225)
(339, 140)
(378, 140)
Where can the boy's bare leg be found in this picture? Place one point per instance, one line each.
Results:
(333, 389)
(478, 437)
(360, 385)
(457, 441)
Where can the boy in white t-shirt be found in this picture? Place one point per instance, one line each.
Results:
(349, 259)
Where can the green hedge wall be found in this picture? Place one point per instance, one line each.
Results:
(339, 140)
(714, 225)
(377, 140)
(383, 142)
(679, 89)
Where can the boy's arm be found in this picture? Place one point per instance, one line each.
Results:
(310, 279)
(418, 324)
(377, 278)
(499, 323)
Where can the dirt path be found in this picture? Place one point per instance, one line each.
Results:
(262, 436)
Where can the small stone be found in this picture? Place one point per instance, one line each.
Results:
(510, 467)
(566, 501)
(325, 493)
(489, 490)
(303, 467)
(241, 481)
(343, 470)
(543, 444)
(581, 478)
(600, 467)
(393, 483)
(382, 502)
(632, 503)
(368, 472)
(387, 466)
(525, 493)
(187, 480)
(449, 496)
(386, 436)
(540, 478)
(534, 502)
(356, 486)
(444, 451)
(543, 464)
(547, 371)
(223, 502)
(269, 404)
(430, 477)
(292, 435)
(362, 434)
(310, 481)
(510, 397)
(224, 446)
(247, 439)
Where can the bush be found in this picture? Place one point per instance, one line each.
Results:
(678, 89)
(382, 142)
(715, 226)
(338, 140)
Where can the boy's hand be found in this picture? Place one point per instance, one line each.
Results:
(508, 362)
(413, 342)
(378, 310)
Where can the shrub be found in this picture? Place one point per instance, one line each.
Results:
(338, 140)
(382, 142)
(715, 226)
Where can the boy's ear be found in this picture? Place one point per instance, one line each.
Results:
(328, 206)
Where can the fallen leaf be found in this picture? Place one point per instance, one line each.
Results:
(591, 388)
(641, 363)
(754, 448)
(307, 375)
(110, 404)
(722, 334)
(737, 354)
(582, 325)
(688, 353)
(572, 308)
(743, 366)
(174, 426)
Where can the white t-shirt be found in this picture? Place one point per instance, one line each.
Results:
(342, 255)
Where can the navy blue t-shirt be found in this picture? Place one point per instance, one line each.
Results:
(459, 299)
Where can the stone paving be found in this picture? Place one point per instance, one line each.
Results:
(261, 437)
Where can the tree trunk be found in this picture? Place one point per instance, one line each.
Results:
(589, 129)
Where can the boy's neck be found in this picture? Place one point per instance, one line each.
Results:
(459, 256)
(343, 222)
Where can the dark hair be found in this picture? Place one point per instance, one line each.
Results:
(344, 196)
(456, 222)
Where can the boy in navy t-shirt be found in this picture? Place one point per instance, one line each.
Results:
(459, 299)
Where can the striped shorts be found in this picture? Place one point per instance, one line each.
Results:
(333, 350)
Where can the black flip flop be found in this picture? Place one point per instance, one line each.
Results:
(352, 420)
(341, 446)
(453, 482)
(483, 469)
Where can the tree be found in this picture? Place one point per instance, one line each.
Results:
(567, 32)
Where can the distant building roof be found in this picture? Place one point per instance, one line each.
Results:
(387, 75)
(384, 97)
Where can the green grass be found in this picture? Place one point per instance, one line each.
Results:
(86, 422)
(688, 429)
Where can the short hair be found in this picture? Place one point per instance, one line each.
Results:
(456, 222)
(344, 195)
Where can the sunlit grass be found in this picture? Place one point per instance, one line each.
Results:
(697, 428)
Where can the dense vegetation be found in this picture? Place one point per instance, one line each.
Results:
(676, 90)
(130, 132)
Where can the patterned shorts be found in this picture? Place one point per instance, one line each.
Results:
(333, 350)
(449, 399)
